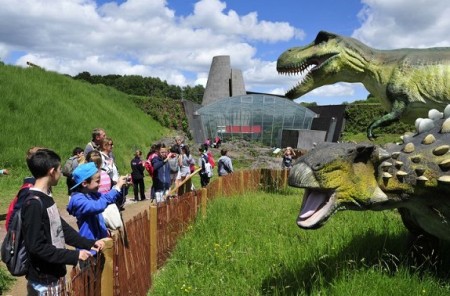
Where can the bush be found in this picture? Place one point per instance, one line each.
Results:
(359, 116)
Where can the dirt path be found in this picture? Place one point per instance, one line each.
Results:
(131, 209)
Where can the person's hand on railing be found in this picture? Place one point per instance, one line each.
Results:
(98, 246)
(84, 255)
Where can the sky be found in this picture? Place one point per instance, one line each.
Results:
(176, 40)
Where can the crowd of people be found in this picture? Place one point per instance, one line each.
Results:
(94, 184)
(171, 168)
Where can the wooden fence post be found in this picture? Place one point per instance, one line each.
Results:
(220, 186)
(285, 178)
(242, 181)
(107, 280)
(153, 216)
(204, 195)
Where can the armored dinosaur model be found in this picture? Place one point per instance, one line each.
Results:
(409, 82)
(413, 177)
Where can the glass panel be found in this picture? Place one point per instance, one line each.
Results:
(254, 117)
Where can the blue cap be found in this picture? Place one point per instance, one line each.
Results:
(83, 172)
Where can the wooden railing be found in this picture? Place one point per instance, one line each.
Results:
(128, 263)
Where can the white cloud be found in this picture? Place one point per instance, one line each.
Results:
(210, 14)
(142, 37)
(403, 23)
(341, 89)
(146, 37)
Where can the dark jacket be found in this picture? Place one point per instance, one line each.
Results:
(137, 169)
(161, 174)
(47, 261)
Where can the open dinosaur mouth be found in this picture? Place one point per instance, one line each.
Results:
(305, 68)
(317, 207)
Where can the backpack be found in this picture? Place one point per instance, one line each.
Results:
(13, 203)
(148, 164)
(221, 165)
(211, 160)
(13, 251)
(69, 166)
(208, 167)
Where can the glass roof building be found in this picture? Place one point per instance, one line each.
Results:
(253, 117)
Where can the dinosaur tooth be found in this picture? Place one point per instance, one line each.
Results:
(422, 178)
(429, 139)
(444, 179)
(386, 175)
(446, 125)
(434, 114)
(401, 173)
(409, 148)
(398, 164)
(441, 150)
(445, 164)
(386, 164)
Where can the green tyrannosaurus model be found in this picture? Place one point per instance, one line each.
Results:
(408, 82)
(413, 177)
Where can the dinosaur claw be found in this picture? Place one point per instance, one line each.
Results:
(371, 137)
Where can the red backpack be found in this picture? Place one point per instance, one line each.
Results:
(13, 203)
(211, 160)
(148, 164)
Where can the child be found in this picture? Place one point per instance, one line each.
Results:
(287, 158)
(45, 232)
(203, 163)
(225, 166)
(87, 204)
(105, 180)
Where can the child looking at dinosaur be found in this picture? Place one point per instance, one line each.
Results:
(87, 204)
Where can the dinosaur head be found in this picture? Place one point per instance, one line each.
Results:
(324, 61)
(335, 176)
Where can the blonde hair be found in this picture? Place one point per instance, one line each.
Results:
(290, 150)
(32, 150)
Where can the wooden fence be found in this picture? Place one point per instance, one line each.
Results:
(128, 262)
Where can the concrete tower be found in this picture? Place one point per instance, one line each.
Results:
(222, 81)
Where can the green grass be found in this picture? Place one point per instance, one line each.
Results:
(251, 245)
(380, 140)
(40, 108)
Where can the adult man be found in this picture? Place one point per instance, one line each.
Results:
(161, 174)
(98, 135)
(45, 232)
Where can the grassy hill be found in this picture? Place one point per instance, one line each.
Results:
(42, 108)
